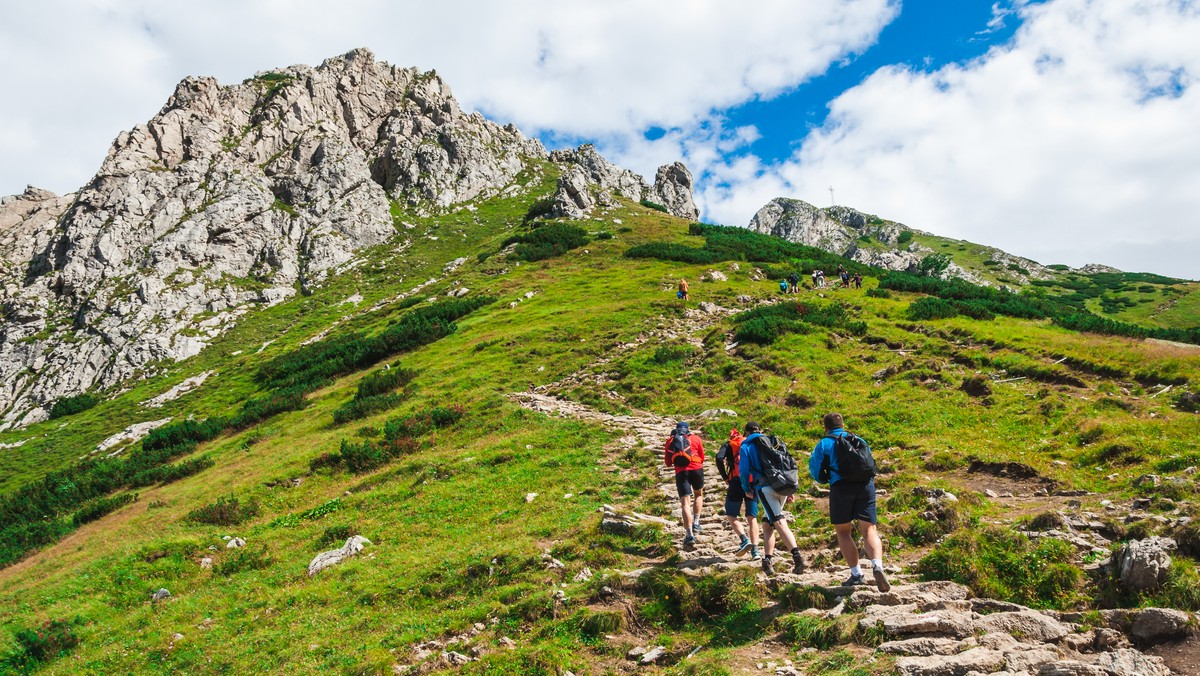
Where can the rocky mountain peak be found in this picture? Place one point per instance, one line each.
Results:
(239, 196)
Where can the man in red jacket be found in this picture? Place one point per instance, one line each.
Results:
(685, 452)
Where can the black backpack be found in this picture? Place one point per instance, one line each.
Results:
(681, 449)
(854, 459)
(778, 467)
(725, 461)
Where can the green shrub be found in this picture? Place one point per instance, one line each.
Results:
(366, 406)
(672, 353)
(878, 292)
(101, 507)
(932, 308)
(548, 241)
(164, 474)
(539, 209)
(764, 324)
(1003, 564)
(48, 642)
(335, 536)
(665, 251)
(933, 265)
(226, 511)
(593, 624)
(679, 598)
(654, 205)
(604, 234)
(904, 237)
(72, 405)
(809, 631)
(802, 597)
(243, 559)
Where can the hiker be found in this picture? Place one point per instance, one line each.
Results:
(814, 276)
(857, 280)
(844, 461)
(793, 283)
(685, 452)
(783, 286)
(774, 488)
(845, 277)
(683, 290)
(820, 279)
(736, 497)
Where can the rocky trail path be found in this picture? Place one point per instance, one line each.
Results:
(928, 628)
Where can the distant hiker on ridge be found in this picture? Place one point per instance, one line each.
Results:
(793, 283)
(857, 279)
(814, 277)
(736, 496)
(844, 461)
(685, 452)
(683, 290)
(769, 472)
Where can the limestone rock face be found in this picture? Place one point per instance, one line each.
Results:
(838, 229)
(1143, 564)
(673, 185)
(571, 199)
(673, 189)
(230, 198)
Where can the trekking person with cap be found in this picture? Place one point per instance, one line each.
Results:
(763, 469)
(685, 452)
(844, 461)
(736, 497)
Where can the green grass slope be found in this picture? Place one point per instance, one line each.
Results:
(457, 549)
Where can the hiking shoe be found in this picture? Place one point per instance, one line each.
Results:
(881, 580)
(744, 548)
(854, 580)
(754, 555)
(766, 565)
(690, 540)
(798, 565)
(696, 528)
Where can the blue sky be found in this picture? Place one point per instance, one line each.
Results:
(1064, 132)
(925, 36)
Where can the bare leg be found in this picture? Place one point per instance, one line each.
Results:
(785, 534)
(699, 504)
(753, 528)
(768, 539)
(737, 526)
(845, 536)
(871, 541)
(686, 507)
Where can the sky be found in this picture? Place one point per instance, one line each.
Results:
(1061, 130)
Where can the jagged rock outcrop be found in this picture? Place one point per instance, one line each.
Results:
(838, 229)
(673, 189)
(231, 197)
(673, 185)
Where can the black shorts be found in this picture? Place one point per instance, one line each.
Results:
(849, 502)
(688, 479)
(735, 497)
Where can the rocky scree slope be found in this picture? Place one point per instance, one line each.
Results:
(234, 197)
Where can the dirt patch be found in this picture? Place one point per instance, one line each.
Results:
(1182, 657)
(1014, 471)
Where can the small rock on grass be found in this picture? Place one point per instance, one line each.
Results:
(530, 497)
(651, 656)
(160, 595)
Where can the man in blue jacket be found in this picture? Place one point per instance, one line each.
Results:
(749, 468)
(847, 502)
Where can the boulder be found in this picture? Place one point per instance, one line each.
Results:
(1154, 625)
(1127, 661)
(1071, 668)
(1026, 625)
(160, 594)
(651, 656)
(922, 646)
(982, 660)
(1143, 564)
(714, 276)
(333, 557)
(235, 543)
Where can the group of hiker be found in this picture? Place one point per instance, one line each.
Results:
(762, 478)
(792, 283)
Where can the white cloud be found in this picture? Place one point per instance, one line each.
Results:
(78, 72)
(1075, 142)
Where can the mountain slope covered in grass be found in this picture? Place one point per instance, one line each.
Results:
(455, 542)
